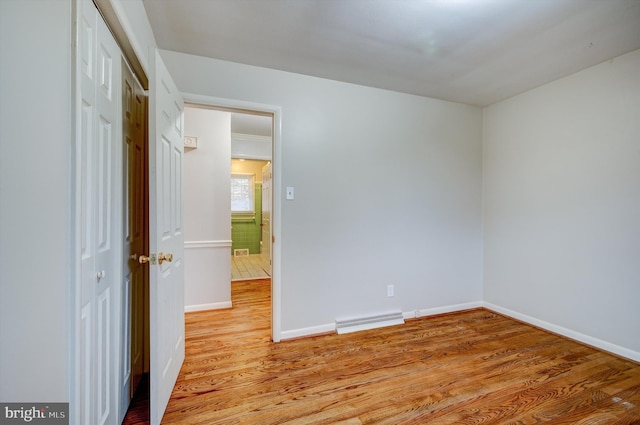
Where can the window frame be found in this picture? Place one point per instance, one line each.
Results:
(252, 193)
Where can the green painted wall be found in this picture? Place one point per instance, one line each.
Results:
(245, 232)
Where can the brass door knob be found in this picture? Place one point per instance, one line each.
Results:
(151, 259)
(164, 257)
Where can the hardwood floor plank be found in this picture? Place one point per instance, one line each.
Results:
(138, 411)
(471, 367)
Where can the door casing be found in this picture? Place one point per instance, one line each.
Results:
(265, 226)
(276, 112)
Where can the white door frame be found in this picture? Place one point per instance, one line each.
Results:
(276, 289)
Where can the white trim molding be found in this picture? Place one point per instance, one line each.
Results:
(207, 244)
(448, 309)
(310, 331)
(568, 333)
(250, 137)
(209, 306)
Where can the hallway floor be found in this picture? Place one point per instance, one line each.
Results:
(249, 267)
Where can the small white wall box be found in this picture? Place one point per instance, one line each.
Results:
(190, 142)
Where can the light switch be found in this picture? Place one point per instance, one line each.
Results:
(289, 192)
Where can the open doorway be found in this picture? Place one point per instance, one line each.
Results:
(250, 219)
(251, 203)
(275, 113)
(228, 201)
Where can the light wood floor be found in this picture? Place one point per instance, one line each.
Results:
(472, 367)
(250, 267)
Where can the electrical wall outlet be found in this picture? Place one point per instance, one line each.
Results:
(389, 290)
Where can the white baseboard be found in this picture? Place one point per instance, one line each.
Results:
(577, 336)
(204, 307)
(310, 331)
(448, 309)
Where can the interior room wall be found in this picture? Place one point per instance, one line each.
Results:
(248, 167)
(562, 205)
(35, 201)
(414, 222)
(207, 209)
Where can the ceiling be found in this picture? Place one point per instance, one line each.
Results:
(476, 52)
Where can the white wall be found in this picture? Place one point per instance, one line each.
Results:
(562, 205)
(346, 236)
(251, 148)
(207, 210)
(35, 200)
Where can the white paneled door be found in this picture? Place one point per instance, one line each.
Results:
(100, 218)
(166, 237)
(108, 236)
